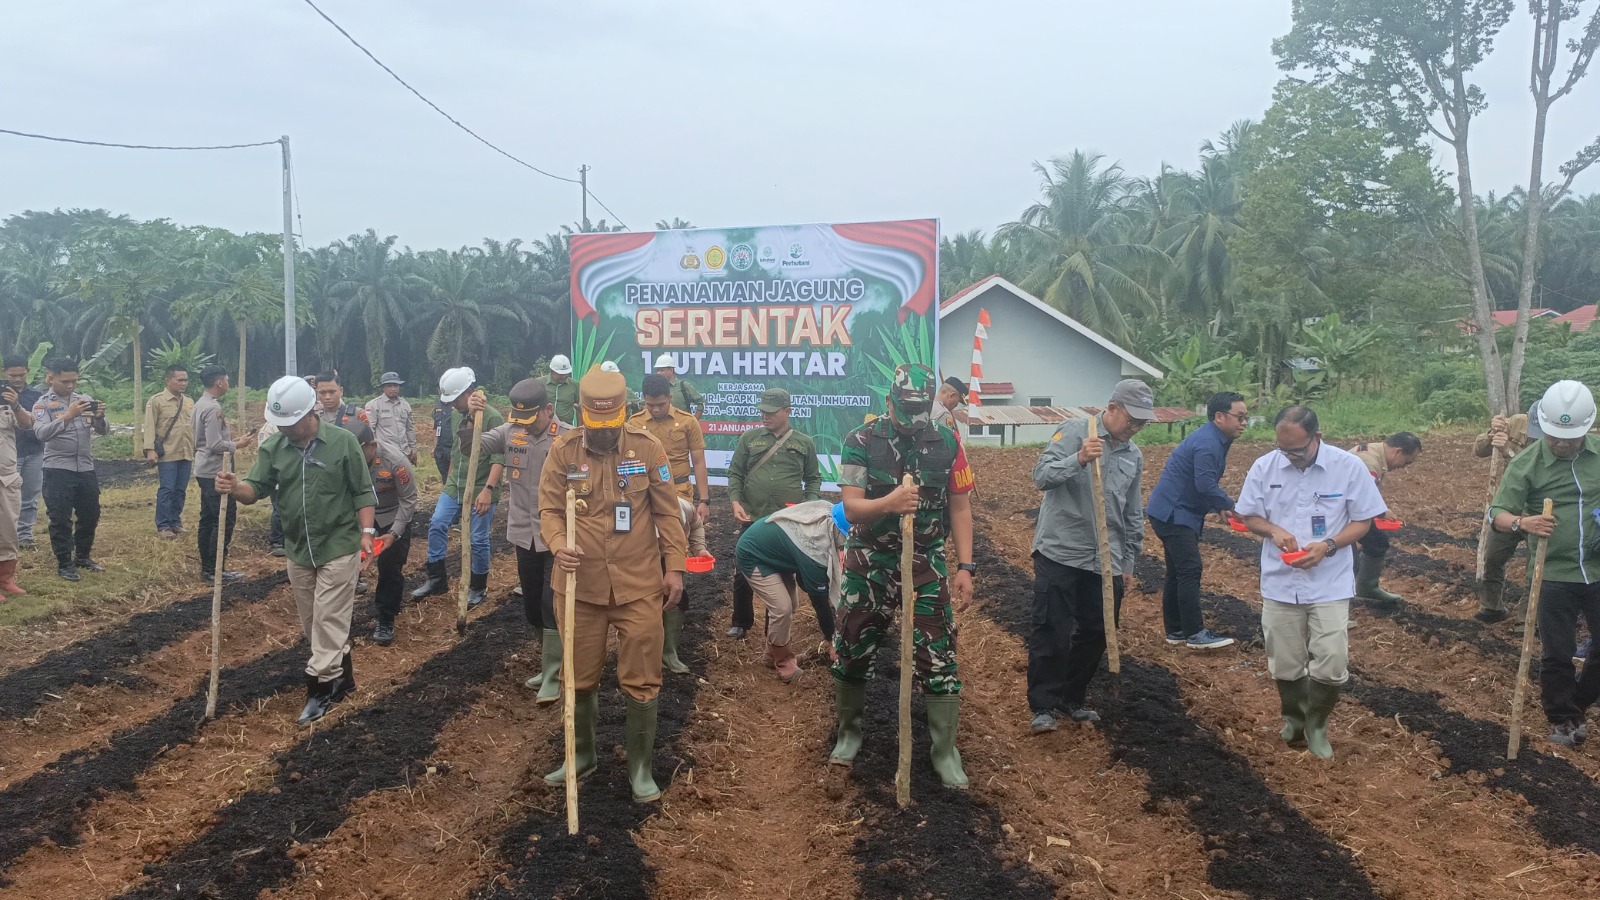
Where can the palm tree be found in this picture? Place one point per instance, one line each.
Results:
(376, 290)
(969, 258)
(238, 287)
(1207, 218)
(34, 308)
(676, 224)
(1077, 241)
(457, 306)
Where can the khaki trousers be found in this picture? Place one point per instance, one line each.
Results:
(639, 639)
(325, 597)
(10, 509)
(779, 593)
(1307, 639)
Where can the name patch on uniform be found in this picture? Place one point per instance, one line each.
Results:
(664, 472)
(576, 474)
(631, 467)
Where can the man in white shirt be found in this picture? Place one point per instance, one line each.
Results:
(1311, 497)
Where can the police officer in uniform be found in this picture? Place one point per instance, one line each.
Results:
(524, 441)
(331, 407)
(905, 441)
(396, 489)
(680, 435)
(627, 529)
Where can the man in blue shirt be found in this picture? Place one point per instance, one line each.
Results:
(1187, 492)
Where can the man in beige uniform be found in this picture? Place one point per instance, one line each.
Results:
(169, 446)
(13, 418)
(1394, 453)
(626, 505)
(1507, 437)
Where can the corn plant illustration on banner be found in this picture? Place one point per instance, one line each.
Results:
(823, 311)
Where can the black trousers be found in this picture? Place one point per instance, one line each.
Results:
(210, 512)
(744, 597)
(68, 494)
(1567, 695)
(1180, 597)
(275, 532)
(1374, 542)
(1069, 634)
(534, 570)
(819, 604)
(391, 566)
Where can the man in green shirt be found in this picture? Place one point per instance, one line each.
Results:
(562, 389)
(318, 475)
(773, 466)
(1564, 467)
(456, 387)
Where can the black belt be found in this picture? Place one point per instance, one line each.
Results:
(681, 479)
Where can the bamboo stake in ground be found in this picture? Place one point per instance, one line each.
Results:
(466, 531)
(1497, 465)
(569, 724)
(908, 639)
(1108, 594)
(1517, 694)
(216, 602)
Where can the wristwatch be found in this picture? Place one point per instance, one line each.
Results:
(969, 568)
(1516, 525)
(1333, 547)
(370, 532)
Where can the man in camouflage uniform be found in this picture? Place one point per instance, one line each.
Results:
(905, 441)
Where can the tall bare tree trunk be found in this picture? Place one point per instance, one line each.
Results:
(1482, 304)
(239, 388)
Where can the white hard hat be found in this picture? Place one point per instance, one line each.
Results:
(560, 365)
(454, 382)
(1566, 410)
(289, 400)
(665, 361)
(609, 366)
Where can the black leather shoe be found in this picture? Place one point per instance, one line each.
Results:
(88, 565)
(319, 699)
(70, 573)
(477, 590)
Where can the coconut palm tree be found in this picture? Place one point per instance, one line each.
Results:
(1080, 245)
(1206, 218)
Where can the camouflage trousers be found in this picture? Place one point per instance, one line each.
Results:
(868, 602)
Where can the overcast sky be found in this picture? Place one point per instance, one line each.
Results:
(720, 112)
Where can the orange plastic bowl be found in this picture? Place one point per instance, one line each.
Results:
(700, 564)
(1294, 557)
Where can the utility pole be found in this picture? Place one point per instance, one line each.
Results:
(583, 185)
(291, 364)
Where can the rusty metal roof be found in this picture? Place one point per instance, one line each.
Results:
(1055, 415)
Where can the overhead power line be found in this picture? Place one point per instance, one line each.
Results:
(452, 119)
(67, 140)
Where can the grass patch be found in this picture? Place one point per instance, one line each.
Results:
(141, 568)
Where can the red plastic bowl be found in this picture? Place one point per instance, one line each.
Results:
(700, 564)
(1292, 558)
(1384, 523)
(1237, 524)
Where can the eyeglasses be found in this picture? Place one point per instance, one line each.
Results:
(1242, 418)
(1299, 452)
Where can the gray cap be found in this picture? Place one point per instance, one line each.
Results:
(1534, 431)
(390, 378)
(1136, 397)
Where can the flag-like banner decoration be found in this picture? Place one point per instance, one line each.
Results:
(980, 334)
(823, 311)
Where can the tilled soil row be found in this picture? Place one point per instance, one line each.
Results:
(104, 657)
(604, 859)
(377, 747)
(1258, 843)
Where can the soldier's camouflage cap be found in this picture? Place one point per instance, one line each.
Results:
(912, 387)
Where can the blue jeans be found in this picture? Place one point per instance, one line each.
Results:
(32, 470)
(170, 495)
(444, 512)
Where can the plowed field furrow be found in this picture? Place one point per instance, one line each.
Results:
(377, 747)
(47, 804)
(1258, 843)
(104, 657)
(604, 859)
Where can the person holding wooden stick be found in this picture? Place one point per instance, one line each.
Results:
(1565, 469)
(456, 387)
(904, 441)
(1312, 502)
(1504, 440)
(627, 552)
(324, 491)
(1069, 626)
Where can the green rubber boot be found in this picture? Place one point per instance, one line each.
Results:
(585, 707)
(1369, 569)
(641, 736)
(672, 626)
(538, 677)
(550, 667)
(851, 700)
(1321, 699)
(943, 711)
(1292, 695)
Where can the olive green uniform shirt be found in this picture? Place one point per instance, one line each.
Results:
(463, 454)
(791, 476)
(318, 489)
(1574, 484)
(687, 397)
(565, 397)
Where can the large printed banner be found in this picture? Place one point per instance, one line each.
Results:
(824, 311)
